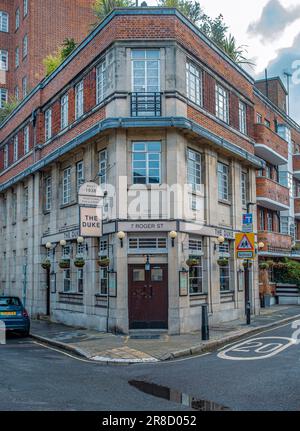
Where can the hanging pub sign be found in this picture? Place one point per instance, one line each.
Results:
(90, 194)
(90, 222)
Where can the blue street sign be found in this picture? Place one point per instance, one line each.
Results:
(248, 218)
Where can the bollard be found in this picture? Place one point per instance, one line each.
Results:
(205, 328)
(248, 313)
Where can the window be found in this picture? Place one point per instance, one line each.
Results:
(194, 169)
(26, 139)
(80, 280)
(101, 81)
(3, 97)
(25, 7)
(25, 203)
(48, 124)
(194, 83)
(24, 86)
(17, 18)
(79, 174)
(5, 156)
(79, 100)
(261, 219)
(17, 57)
(141, 243)
(258, 118)
(270, 221)
(268, 171)
(4, 210)
(244, 188)
(102, 158)
(67, 186)
(195, 277)
(243, 117)
(222, 103)
(4, 21)
(17, 93)
(80, 249)
(64, 105)
(225, 278)
(14, 207)
(16, 148)
(145, 70)
(3, 59)
(146, 161)
(103, 280)
(284, 225)
(25, 45)
(267, 123)
(224, 248)
(195, 245)
(48, 193)
(223, 181)
(67, 280)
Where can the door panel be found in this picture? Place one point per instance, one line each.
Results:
(148, 297)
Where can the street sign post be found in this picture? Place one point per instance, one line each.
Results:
(248, 223)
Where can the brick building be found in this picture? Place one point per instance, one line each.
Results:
(146, 105)
(29, 31)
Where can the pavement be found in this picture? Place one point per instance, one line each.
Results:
(154, 346)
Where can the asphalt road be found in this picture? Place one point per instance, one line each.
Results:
(263, 374)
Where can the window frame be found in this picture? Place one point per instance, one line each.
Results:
(25, 8)
(16, 148)
(48, 124)
(24, 86)
(222, 105)
(101, 81)
(5, 156)
(48, 193)
(223, 194)
(26, 140)
(242, 117)
(79, 170)
(17, 19)
(147, 160)
(4, 64)
(194, 95)
(25, 202)
(64, 111)
(67, 186)
(79, 100)
(145, 76)
(25, 46)
(197, 167)
(3, 100)
(192, 276)
(4, 29)
(244, 187)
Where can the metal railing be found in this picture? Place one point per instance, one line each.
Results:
(146, 104)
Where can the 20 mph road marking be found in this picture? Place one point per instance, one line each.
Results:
(256, 348)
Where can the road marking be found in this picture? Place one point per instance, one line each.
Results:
(65, 353)
(256, 348)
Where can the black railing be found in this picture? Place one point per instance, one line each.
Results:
(145, 104)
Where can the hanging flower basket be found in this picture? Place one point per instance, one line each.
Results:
(103, 262)
(223, 261)
(46, 264)
(64, 263)
(192, 262)
(263, 265)
(79, 262)
(270, 263)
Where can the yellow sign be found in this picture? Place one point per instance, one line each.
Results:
(245, 245)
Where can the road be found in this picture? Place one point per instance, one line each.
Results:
(264, 374)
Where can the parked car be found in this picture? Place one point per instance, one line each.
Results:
(14, 315)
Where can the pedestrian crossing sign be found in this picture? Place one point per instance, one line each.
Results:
(244, 245)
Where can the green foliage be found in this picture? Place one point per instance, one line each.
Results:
(287, 271)
(8, 108)
(102, 8)
(52, 61)
(235, 52)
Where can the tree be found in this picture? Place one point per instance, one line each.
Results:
(192, 10)
(102, 8)
(8, 108)
(236, 53)
(52, 61)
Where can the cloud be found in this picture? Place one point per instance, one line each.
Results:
(288, 60)
(274, 20)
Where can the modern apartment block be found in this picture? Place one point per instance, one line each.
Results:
(29, 31)
(182, 141)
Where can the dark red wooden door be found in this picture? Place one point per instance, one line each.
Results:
(148, 297)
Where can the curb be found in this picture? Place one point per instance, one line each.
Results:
(194, 350)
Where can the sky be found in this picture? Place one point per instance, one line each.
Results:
(271, 31)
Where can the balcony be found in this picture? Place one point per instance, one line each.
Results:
(296, 166)
(275, 243)
(270, 146)
(297, 207)
(272, 195)
(145, 104)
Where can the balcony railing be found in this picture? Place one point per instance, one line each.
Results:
(146, 104)
(271, 194)
(275, 242)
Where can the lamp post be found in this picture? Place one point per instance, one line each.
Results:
(173, 236)
(121, 235)
(48, 247)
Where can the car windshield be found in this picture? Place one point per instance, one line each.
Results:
(6, 302)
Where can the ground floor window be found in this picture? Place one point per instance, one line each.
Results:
(104, 281)
(195, 276)
(225, 278)
(80, 280)
(67, 280)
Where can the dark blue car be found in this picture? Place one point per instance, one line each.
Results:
(14, 315)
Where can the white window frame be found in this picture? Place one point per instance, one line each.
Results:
(17, 19)
(5, 156)
(222, 103)
(25, 45)
(227, 276)
(66, 198)
(48, 124)
(145, 87)
(194, 83)
(17, 57)
(67, 280)
(4, 22)
(79, 100)
(223, 181)
(17, 95)
(244, 183)
(259, 118)
(64, 110)
(3, 97)
(147, 245)
(16, 148)
(102, 165)
(147, 161)
(25, 8)
(24, 86)
(194, 169)
(200, 269)
(48, 193)
(80, 280)
(101, 81)
(243, 117)
(25, 202)
(3, 59)
(26, 139)
(79, 174)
